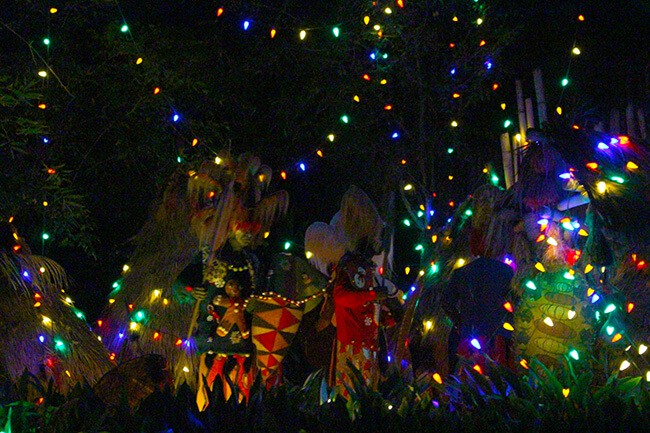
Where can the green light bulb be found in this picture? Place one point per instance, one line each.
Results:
(610, 308)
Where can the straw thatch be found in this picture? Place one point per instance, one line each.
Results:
(35, 307)
(359, 217)
(195, 218)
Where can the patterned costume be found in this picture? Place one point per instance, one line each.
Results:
(223, 333)
(348, 249)
(357, 318)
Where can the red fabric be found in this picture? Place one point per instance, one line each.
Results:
(476, 242)
(216, 370)
(354, 308)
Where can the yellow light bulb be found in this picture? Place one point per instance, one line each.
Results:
(303, 34)
(42, 74)
(624, 365)
(356, 98)
(576, 51)
(437, 378)
(559, 110)
(308, 254)
(407, 270)
(503, 105)
(631, 166)
(508, 326)
(330, 137)
(549, 321)
(366, 20)
(137, 62)
(454, 123)
(642, 349)
(602, 187)
(388, 11)
(53, 10)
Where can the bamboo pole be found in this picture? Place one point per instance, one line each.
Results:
(507, 158)
(643, 132)
(539, 93)
(530, 116)
(521, 111)
(614, 121)
(629, 120)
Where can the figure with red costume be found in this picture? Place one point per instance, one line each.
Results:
(348, 249)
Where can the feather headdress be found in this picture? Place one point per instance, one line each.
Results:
(357, 219)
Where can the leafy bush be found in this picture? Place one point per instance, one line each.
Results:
(540, 400)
